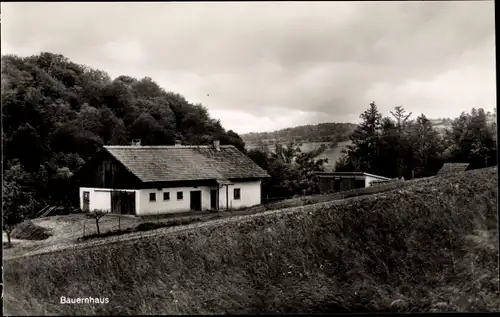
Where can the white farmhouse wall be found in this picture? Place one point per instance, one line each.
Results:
(173, 205)
(250, 195)
(370, 179)
(100, 198)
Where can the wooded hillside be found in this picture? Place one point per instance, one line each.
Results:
(57, 114)
(323, 132)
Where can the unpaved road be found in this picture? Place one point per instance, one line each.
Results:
(170, 230)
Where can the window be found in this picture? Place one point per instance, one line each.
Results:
(180, 195)
(152, 196)
(166, 196)
(359, 183)
(237, 193)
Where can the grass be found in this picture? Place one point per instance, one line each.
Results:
(76, 227)
(145, 226)
(430, 246)
(27, 230)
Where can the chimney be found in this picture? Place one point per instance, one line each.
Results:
(217, 145)
(178, 143)
(136, 142)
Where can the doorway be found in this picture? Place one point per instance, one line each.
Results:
(86, 201)
(123, 202)
(196, 200)
(213, 199)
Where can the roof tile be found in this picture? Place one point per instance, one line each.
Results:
(452, 168)
(178, 163)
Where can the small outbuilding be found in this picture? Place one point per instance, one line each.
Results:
(342, 181)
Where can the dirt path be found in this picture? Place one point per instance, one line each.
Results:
(170, 230)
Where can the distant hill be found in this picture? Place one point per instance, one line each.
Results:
(446, 123)
(323, 132)
(441, 124)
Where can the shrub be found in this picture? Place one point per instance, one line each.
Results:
(149, 226)
(27, 230)
(97, 214)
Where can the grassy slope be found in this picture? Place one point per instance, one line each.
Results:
(425, 247)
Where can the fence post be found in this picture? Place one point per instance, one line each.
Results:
(119, 225)
(158, 217)
(84, 228)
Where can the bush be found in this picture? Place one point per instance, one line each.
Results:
(27, 230)
(149, 226)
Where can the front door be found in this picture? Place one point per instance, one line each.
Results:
(86, 201)
(123, 202)
(213, 199)
(196, 200)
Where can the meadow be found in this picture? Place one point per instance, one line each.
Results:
(430, 246)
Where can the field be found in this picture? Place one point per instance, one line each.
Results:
(430, 246)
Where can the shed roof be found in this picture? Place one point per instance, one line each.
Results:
(350, 174)
(180, 163)
(452, 168)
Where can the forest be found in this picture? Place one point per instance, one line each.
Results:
(402, 146)
(56, 114)
(396, 145)
(323, 132)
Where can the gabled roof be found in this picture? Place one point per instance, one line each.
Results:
(452, 168)
(180, 163)
(350, 174)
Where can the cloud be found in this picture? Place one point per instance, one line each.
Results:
(314, 61)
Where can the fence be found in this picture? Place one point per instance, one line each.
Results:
(313, 199)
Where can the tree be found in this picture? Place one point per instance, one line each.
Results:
(483, 146)
(292, 171)
(426, 145)
(17, 199)
(52, 106)
(472, 139)
(232, 137)
(401, 118)
(260, 157)
(146, 128)
(363, 154)
(25, 144)
(97, 214)
(112, 129)
(393, 147)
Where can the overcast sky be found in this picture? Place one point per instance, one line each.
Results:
(266, 66)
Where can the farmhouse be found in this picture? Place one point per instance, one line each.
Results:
(341, 181)
(151, 180)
